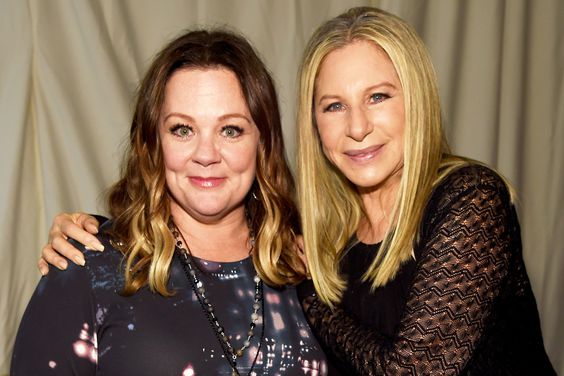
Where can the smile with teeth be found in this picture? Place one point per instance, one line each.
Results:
(209, 182)
(361, 155)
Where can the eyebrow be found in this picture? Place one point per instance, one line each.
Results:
(178, 114)
(235, 115)
(384, 84)
(221, 118)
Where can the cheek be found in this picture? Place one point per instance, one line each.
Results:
(244, 161)
(328, 141)
(173, 157)
(322, 131)
(400, 123)
(241, 158)
(400, 136)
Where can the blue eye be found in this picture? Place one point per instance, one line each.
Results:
(378, 97)
(334, 107)
(231, 131)
(181, 130)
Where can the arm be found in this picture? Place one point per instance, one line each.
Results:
(56, 334)
(460, 272)
(78, 226)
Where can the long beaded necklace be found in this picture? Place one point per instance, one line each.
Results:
(199, 290)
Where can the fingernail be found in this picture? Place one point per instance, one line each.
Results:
(93, 229)
(95, 246)
(43, 272)
(79, 260)
(62, 265)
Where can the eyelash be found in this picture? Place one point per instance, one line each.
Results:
(235, 128)
(332, 106)
(382, 96)
(175, 128)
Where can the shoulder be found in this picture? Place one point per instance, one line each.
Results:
(104, 269)
(470, 191)
(472, 176)
(470, 180)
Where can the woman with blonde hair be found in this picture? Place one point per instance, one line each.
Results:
(415, 253)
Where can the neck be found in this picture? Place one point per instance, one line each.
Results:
(223, 240)
(378, 204)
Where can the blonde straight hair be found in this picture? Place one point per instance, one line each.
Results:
(330, 205)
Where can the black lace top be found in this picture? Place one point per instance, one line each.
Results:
(464, 307)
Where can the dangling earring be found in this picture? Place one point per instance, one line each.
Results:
(254, 191)
(251, 231)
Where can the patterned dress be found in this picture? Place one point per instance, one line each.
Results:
(77, 323)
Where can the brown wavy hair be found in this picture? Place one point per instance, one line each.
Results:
(140, 201)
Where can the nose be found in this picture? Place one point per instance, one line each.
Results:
(359, 124)
(206, 152)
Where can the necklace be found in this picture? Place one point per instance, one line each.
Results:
(231, 354)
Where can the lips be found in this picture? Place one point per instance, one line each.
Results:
(206, 182)
(361, 155)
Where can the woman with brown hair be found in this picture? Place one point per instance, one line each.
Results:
(201, 249)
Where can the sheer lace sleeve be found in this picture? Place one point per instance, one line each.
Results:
(466, 246)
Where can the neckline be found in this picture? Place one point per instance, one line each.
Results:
(355, 240)
(213, 267)
(223, 263)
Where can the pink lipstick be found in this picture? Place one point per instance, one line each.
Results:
(366, 154)
(203, 182)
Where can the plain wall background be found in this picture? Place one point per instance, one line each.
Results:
(69, 70)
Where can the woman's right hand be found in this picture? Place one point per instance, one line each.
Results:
(79, 226)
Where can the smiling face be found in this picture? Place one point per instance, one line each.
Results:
(359, 111)
(209, 143)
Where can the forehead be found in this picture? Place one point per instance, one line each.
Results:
(358, 60)
(202, 79)
(204, 90)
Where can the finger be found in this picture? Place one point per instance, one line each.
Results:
(75, 231)
(91, 224)
(66, 249)
(43, 267)
(59, 219)
(53, 258)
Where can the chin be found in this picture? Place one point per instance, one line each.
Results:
(369, 182)
(363, 180)
(209, 210)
